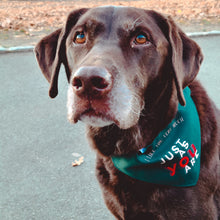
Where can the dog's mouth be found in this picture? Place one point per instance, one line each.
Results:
(95, 118)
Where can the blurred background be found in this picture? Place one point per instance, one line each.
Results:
(25, 22)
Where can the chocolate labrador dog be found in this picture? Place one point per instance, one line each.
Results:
(131, 75)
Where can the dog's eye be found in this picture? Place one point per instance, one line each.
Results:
(80, 38)
(141, 39)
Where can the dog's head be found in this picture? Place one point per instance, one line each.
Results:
(119, 62)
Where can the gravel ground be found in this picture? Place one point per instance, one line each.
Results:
(25, 22)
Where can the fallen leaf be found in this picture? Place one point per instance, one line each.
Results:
(78, 162)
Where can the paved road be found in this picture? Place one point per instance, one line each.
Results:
(37, 142)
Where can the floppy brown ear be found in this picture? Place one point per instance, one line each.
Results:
(51, 52)
(48, 59)
(186, 58)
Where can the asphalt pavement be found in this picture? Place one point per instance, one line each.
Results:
(38, 144)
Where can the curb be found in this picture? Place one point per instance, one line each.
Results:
(16, 49)
(203, 34)
(31, 48)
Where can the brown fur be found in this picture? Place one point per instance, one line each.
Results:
(157, 77)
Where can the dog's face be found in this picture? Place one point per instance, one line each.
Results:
(112, 55)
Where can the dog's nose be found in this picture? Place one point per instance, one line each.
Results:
(92, 81)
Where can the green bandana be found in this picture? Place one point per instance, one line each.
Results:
(174, 156)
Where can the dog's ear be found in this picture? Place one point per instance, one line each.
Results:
(49, 60)
(186, 56)
(51, 52)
